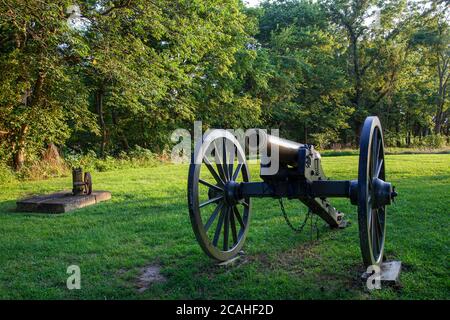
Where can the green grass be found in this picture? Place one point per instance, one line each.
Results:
(147, 223)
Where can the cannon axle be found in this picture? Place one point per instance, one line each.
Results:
(383, 194)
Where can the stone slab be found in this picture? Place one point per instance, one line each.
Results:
(60, 202)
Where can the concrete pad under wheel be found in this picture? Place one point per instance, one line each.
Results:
(60, 202)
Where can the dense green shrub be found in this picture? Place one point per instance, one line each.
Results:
(434, 141)
(6, 174)
(324, 140)
(136, 157)
(394, 139)
(39, 169)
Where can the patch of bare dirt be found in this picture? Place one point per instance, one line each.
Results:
(287, 259)
(149, 275)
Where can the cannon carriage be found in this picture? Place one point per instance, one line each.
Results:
(220, 190)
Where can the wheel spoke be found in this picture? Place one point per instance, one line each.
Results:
(379, 149)
(380, 228)
(206, 183)
(377, 236)
(371, 231)
(218, 163)
(231, 164)
(379, 166)
(238, 217)
(379, 224)
(374, 159)
(224, 159)
(213, 216)
(236, 173)
(218, 228)
(213, 200)
(375, 247)
(226, 229)
(245, 204)
(213, 172)
(233, 227)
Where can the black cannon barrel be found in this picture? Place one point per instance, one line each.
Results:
(287, 150)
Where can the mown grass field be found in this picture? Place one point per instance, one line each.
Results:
(146, 223)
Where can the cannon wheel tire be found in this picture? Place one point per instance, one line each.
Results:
(371, 219)
(220, 226)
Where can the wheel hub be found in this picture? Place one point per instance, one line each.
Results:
(383, 193)
(231, 192)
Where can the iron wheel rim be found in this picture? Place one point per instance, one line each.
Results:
(233, 218)
(371, 219)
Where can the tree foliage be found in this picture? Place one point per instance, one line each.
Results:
(113, 75)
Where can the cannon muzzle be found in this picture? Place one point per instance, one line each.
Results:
(287, 150)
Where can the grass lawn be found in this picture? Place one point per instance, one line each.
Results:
(147, 224)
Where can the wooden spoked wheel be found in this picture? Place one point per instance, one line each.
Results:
(372, 192)
(219, 216)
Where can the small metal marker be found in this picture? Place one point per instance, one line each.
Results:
(389, 273)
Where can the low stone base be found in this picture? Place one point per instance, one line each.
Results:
(60, 202)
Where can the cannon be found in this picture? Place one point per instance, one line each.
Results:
(220, 190)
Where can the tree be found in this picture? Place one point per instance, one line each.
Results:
(435, 40)
(375, 47)
(308, 88)
(43, 97)
(155, 66)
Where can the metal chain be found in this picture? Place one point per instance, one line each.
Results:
(289, 223)
(309, 215)
(316, 227)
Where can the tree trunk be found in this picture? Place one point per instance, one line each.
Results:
(32, 101)
(101, 120)
(19, 156)
(357, 85)
(439, 118)
(356, 70)
(119, 131)
(442, 91)
(440, 104)
(397, 130)
(438, 125)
